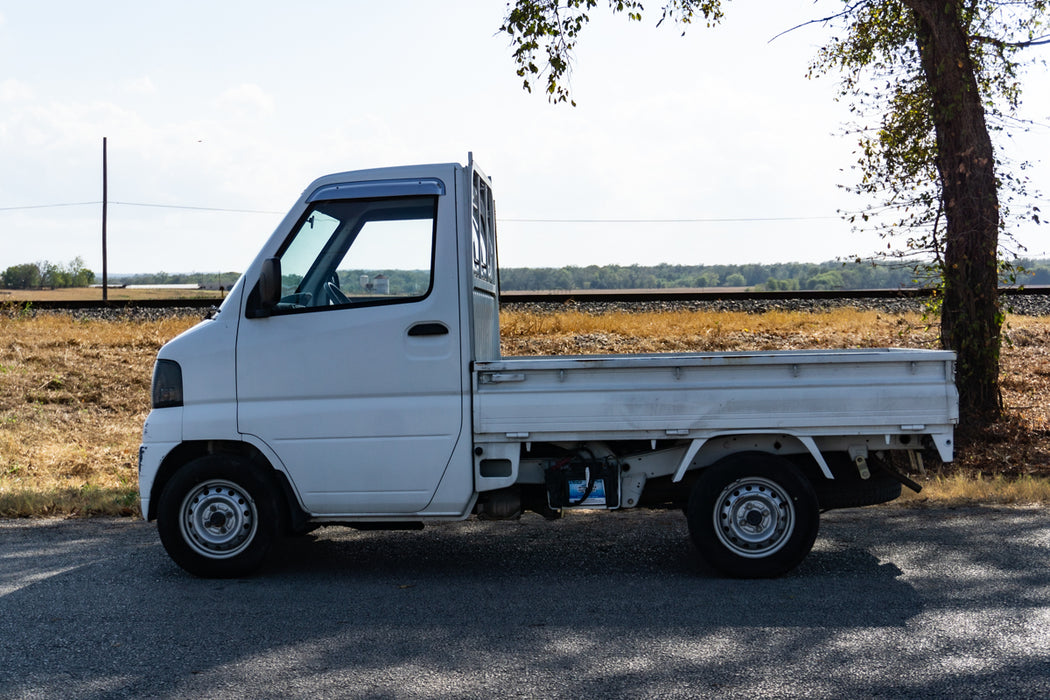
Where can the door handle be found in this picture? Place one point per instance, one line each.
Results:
(428, 329)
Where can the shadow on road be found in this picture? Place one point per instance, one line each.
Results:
(588, 605)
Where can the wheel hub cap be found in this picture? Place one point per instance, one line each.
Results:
(754, 517)
(219, 519)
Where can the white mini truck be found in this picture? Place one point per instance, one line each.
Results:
(353, 376)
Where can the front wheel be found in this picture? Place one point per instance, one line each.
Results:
(753, 515)
(218, 517)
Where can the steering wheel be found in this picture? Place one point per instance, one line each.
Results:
(335, 294)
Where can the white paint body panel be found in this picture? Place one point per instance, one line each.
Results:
(800, 393)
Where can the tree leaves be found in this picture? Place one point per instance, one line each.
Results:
(544, 34)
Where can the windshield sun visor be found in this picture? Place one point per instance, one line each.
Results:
(379, 188)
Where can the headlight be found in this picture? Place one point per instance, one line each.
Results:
(167, 384)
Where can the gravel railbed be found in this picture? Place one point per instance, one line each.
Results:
(1021, 305)
(124, 313)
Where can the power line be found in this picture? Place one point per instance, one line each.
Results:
(141, 204)
(706, 220)
(180, 206)
(667, 221)
(50, 206)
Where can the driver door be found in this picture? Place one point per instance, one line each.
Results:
(354, 379)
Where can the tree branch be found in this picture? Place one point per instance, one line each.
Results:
(999, 43)
(824, 20)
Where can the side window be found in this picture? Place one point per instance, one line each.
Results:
(483, 219)
(359, 252)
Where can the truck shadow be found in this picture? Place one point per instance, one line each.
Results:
(618, 555)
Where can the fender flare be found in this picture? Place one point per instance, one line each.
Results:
(694, 448)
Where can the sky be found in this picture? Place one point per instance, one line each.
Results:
(707, 148)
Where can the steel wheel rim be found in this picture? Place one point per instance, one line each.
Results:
(754, 517)
(219, 519)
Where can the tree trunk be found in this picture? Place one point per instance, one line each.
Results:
(970, 314)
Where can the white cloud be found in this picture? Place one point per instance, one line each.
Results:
(140, 86)
(247, 98)
(12, 90)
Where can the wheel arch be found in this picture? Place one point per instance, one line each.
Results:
(844, 488)
(708, 452)
(293, 516)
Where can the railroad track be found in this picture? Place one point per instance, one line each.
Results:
(626, 296)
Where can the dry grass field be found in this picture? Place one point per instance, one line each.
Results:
(95, 294)
(73, 394)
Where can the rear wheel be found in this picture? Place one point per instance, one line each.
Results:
(218, 517)
(753, 515)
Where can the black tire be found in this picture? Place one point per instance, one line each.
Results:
(753, 515)
(847, 489)
(218, 516)
(855, 493)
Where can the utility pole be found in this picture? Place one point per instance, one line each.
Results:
(105, 203)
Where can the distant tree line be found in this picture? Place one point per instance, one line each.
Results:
(47, 274)
(207, 280)
(783, 276)
(780, 276)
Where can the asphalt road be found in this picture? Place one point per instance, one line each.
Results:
(891, 603)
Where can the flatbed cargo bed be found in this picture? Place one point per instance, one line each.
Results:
(800, 392)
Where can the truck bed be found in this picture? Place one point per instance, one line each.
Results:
(804, 393)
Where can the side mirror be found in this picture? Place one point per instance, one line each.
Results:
(267, 292)
(270, 283)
